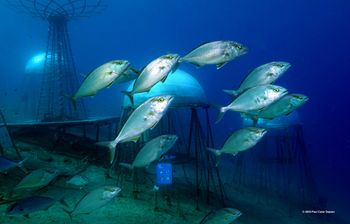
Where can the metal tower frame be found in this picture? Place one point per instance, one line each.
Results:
(60, 77)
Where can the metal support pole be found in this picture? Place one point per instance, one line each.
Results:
(97, 132)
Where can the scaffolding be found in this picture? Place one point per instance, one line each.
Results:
(279, 166)
(191, 156)
(60, 77)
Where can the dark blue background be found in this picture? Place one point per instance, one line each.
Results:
(312, 35)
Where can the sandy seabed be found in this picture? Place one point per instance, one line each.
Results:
(175, 203)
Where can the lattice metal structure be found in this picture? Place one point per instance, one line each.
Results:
(60, 76)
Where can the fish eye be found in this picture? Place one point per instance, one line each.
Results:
(279, 65)
(275, 90)
(118, 62)
(238, 46)
(161, 99)
(168, 57)
(110, 189)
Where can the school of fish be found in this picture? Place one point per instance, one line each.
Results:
(257, 97)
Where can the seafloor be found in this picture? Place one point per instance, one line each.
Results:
(175, 203)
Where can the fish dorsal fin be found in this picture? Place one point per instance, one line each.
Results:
(245, 77)
(203, 43)
(143, 68)
(82, 75)
(87, 75)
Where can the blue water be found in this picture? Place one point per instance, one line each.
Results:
(312, 35)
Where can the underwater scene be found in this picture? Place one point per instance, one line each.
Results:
(198, 111)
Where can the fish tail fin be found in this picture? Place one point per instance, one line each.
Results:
(217, 154)
(214, 151)
(134, 70)
(230, 92)
(20, 165)
(255, 121)
(126, 165)
(130, 95)
(221, 114)
(111, 145)
(70, 213)
(73, 100)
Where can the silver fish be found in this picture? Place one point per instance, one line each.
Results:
(254, 99)
(78, 181)
(284, 106)
(241, 140)
(29, 205)
(6, 165)
(156, 71)
(100, 78)
(152, 151)
(95, 200)
(221, 216)
(215, 53)
(262, 75)
(36, 179)
(144, 117)
(128, 75)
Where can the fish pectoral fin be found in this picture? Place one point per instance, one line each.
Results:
(164, 78)
(161, 158)
(110, 84)
(154, 125)
(220, 65)
(161, 144)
